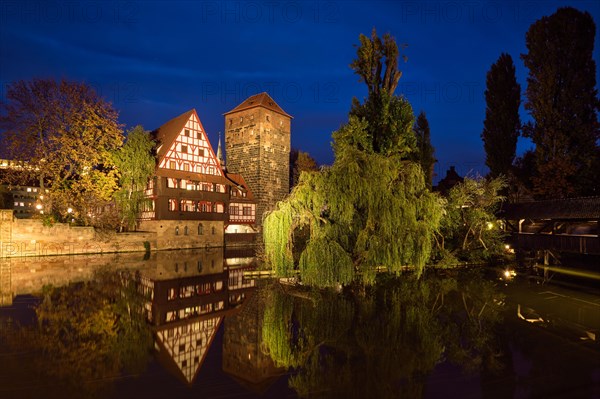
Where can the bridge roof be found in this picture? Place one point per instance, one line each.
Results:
(567, 208)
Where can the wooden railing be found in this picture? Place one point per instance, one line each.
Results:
(588, 244)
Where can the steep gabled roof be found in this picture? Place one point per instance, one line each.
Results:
(167, 133)
(259, 100)
(167, 137)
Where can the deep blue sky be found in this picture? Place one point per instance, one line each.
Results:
(155, 59)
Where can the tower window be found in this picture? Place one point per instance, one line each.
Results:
(241, 119)
(268, 118)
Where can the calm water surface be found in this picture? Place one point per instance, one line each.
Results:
(198, 324)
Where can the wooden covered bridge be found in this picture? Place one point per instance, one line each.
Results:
(552, 228)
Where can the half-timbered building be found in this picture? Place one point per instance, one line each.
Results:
(191, 193)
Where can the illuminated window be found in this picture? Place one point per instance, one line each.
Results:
(172, 165)
(172, 204)
(176, 233)
(186, 167)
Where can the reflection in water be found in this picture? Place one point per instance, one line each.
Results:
(458, 332)
(189, 296)
(392, 335)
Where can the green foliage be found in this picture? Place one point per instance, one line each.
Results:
(390, 120)
(563, 102)
(502, 123)
(371, 209)
(325, 263)
(470, 230)
(135, 163)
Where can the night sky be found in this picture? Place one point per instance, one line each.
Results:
(155, 60)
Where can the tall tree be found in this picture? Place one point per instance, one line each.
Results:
(135, 163)
(562, 99)
(390, 120)
(371, 207)
(502, 122)
(424, 154)
(63, 134)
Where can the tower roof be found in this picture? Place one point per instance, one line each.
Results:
(259, 100)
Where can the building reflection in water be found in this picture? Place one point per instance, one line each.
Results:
(190, 294)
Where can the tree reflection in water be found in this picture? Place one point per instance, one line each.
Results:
(381, 341)
(87, 334)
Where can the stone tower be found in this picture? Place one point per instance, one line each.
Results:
(257, 145)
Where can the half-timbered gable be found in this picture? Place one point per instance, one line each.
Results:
(189, 183)
(184, 146)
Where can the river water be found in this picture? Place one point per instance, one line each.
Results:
(183, 324)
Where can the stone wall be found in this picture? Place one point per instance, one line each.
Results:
(179, 234)
(31, 238)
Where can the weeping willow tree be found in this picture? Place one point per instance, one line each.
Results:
(371, 208)
(367, 210)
